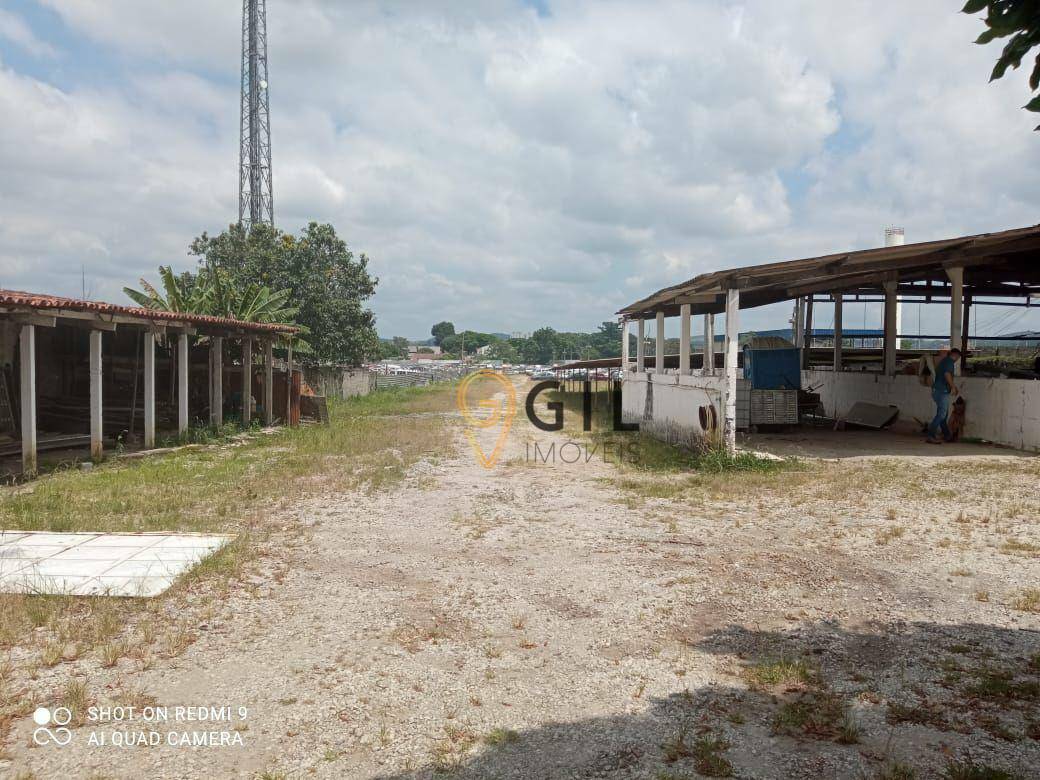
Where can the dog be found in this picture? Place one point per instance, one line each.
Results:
(956, 422)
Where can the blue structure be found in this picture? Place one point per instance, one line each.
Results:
(773, 369)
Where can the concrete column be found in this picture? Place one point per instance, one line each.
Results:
(216, 389)
(807, 329)
(798, 324)
(268, 383)
(247, 381)
(659, 347)
(838, 301)
(149, 390)
(732, 348)
(182, 383)
(684, 339)
(891, 327)
(956, 310)
(709, 345)
(97, 449)
(641, 346)
(624, 345)
(27, 348)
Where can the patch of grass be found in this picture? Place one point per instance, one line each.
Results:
(1027, 600)
(886, 535)
(815, 714)
(706, 752)
(921, 715)
(501, 736)
(1001, 684)
(1018, 547)
(969, 770)
(897, 771)
(781, 672)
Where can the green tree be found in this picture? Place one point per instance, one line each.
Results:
(328, 284)
(441, 331)
(1019, 19)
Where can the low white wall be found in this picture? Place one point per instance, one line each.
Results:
(679, 409)
(1004, 411)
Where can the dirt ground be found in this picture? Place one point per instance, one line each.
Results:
(576, 620)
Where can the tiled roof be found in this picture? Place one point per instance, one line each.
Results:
(39, 301)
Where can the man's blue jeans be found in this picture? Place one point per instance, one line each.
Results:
(942, 411)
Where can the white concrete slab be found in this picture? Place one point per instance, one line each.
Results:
(81, 564)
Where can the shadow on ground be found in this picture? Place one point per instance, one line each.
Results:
(821, 701)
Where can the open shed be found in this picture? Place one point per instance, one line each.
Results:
(981, 270)
(75, 373)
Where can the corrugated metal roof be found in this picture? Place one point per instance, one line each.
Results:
(1015, 250)
(37, 301)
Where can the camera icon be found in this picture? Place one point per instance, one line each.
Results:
(60, 717)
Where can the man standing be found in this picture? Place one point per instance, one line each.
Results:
(943, 389)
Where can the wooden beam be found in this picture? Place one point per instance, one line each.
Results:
(38, 320)
(97, 449)
(183, 360)
(268, 383)
(247, 381)
(838, 301)
(890, 329)
(288, 384)
(216, 390)
(149, 390)
(27, 373)
(956, 310)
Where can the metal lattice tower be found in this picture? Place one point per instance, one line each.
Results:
(255, 198)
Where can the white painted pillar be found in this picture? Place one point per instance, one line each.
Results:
(659, 347)
(182, 383)
(896, 236)
(624, 345)
(268, 383)
(708, 367)
(732, 348)
(149, 390)
(216, 391)
(247, 381)
(891, 327)
(956, 312)
(641, 346)
(97, 449)
(838, 301)
(27, 348)
(798, 324)
(684, 339)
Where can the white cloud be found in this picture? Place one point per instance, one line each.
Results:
(14, 29)
(508, 170)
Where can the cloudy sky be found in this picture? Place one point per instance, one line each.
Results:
(508, 164)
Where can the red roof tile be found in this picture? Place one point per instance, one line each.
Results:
(40, 301)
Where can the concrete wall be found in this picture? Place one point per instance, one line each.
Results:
(337, 382)
(681, 409)
(1003, 411)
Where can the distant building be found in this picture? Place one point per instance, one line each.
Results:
(423, 349)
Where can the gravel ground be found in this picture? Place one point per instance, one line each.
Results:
(540, 621)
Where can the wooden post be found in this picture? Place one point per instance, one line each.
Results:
(216, 390)
(288, 384)
(641, 346)
(659, 346)
(684, 338)
(965, 329)
(732, 349)
(709, 345)
(838, 301)
(149, 389)
(247, 381)
(268, 383)
(97, 449)
(27, 348)
(956, 310)
(807, 333)
(891, 319)
(624, 345)
(182, 383)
